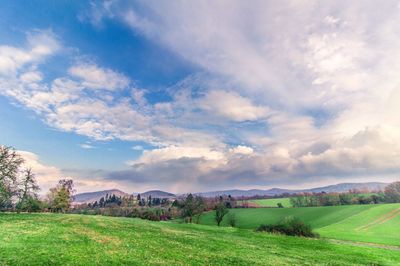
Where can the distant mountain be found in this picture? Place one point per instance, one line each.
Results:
(89, 197)
(247, 193)
(342, 187)
(157, 194)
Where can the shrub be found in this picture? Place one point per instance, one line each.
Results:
(232, 219)
(291, 226)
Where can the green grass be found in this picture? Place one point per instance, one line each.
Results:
(56, 239)
(317, 217)
(380, 224)
(337, 222)
(272, 202)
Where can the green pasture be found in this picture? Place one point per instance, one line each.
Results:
(62, 239)
(364, 223)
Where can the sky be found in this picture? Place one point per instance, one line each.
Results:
(190, 96)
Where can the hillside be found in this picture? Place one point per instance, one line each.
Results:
(363, 223)
(57, 239)
(342, 187)
(90, 197)
(158, 194)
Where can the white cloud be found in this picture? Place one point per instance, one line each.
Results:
(86, 146)
(175, 152)
(94, 77)
(232, 106)
(47, 176)
(40, 44)
(31, 77)
(240, 149)
(137, 148)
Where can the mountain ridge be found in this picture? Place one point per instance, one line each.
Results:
(340, 187)
(88, 197)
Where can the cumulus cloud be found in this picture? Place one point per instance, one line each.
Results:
(48, 176)
(39, 45)
(174, 152)
(95, 101)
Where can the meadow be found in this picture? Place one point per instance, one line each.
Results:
(67, 239)
(363, 223)
(272, 202)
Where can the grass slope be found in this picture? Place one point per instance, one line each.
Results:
(50, 239)
(338, 222)
(317, 217)
(380, 224)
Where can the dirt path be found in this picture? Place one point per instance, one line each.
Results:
(388, 216)
(365, 244)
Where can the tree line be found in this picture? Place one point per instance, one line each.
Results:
(189, 208)
(391, 194)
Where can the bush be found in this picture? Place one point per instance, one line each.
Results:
(29, 204)
(232, 219)
(290, 226)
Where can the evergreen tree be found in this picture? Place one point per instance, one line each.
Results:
(101, 202)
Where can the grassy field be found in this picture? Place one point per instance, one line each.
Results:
(272, 202)
(364, 223)
(56, 239)
(286, 201)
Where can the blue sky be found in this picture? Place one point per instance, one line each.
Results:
(203, 95)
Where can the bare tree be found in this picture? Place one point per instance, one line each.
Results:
(10, 168)
(392, 192)
(29, 185)
(220, 211)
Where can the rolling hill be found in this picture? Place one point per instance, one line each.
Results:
(90, 197)
(66, 239)
(158, 194)
(364, 223)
